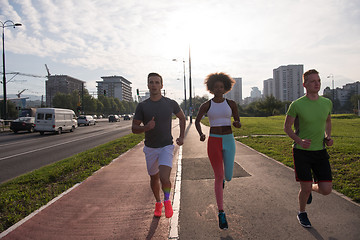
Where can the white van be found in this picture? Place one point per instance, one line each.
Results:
(55, 120)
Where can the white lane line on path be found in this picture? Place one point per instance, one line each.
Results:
(174, 221)
(55, 145)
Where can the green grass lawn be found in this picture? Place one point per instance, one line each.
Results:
(263, 135)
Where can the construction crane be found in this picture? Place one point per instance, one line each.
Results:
(47, 69)
(21, 74)
(26, 74)
(19, 93)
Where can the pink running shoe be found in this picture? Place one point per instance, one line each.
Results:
(158, 209)
(168, 209)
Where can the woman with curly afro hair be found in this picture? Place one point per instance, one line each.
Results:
(221, 142)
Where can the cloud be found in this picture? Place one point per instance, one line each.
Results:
(244, 38)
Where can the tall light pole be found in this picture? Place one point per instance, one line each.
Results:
(184, 90)
(333, 89)
(185, 107)
(5, 24)
(190, 107)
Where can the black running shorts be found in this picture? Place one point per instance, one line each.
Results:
(317, 161)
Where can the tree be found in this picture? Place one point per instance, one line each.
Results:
(355, 99)
(251, 110)
(89, 104)
(99, 107)
(120, 106)
(269, 106)
(62, 100)
(196, 103)
(241, 111)
(12, 113)
(106, 104)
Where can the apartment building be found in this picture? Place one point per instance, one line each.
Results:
(115, 86)
(343, 94)
(287, 82)
(268, 88)
(63, 84)
(236, 92)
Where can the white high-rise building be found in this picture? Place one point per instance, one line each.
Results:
(255, 93)
(288, 82)
(268, 89)
(236, 92)
(115, 86)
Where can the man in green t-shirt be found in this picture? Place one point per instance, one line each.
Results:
(311, 118)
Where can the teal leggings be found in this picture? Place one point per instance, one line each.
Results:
(221, 152)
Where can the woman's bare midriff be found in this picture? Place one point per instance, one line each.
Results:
(221, 130)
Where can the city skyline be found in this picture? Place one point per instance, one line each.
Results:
(248, 39)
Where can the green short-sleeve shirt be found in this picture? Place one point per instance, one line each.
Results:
(310, 120)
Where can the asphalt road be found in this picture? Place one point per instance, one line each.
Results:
(24, 152)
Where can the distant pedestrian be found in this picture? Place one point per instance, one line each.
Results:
(311, 118)
(221, 142)
(155, 113)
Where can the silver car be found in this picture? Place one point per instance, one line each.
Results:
(86, 120)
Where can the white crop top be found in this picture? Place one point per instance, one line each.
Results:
(219, 114)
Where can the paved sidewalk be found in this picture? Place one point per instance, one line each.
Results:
(114, 203)
(260, 201)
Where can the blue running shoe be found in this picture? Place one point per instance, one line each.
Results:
(304, 220)
(222, 221)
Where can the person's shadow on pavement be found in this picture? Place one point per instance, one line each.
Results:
(153, 226)
(226, 238)
(317, 235)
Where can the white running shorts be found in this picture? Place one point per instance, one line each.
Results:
(158, 156)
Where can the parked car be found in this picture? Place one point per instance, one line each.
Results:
(86, 120)
(23, 124)
(114, 118)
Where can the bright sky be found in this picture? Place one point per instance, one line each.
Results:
(88, 39)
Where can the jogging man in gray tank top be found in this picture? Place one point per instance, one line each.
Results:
(155, 115)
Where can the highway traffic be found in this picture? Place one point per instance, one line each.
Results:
(24, 152)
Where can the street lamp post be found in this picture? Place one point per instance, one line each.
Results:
(185, 107)
(190, 107)
(333, 89)
(185, 90)
(5, 24)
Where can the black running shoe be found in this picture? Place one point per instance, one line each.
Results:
(222, 221)
(309, 199)
(223, 183)
(304, 220)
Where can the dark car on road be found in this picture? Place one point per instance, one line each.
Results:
(23, 124)
(127, 117)
(114, 118)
